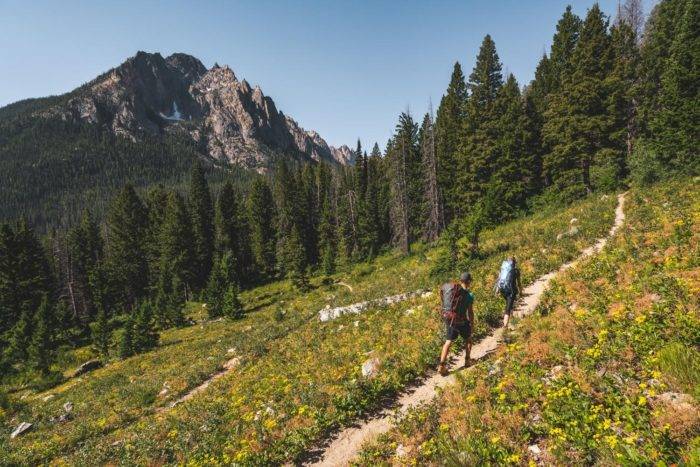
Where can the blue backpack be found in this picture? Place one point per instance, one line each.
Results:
(504, 284)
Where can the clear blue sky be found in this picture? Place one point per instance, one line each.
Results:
(345, 69)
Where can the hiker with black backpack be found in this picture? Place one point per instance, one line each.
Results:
(458, 315)
(508, 285)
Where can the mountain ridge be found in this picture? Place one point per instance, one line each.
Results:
(228, 120)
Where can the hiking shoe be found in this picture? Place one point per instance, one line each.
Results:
(442, 369)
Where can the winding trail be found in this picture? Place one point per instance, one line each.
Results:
(345, 445)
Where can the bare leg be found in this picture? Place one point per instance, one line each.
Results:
(506, 318)
(468, 352)
(445, 351)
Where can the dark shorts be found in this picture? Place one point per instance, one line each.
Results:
(510, 302)
(453, 330)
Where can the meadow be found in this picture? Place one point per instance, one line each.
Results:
(298, 378)
(606, 372)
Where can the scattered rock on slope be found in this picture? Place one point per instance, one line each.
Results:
(21, 429)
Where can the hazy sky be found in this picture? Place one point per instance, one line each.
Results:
(345, 69)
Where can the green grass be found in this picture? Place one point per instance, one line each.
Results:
(682, 364)
(298, 377)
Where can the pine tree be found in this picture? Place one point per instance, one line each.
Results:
(406, 189)
(434, 221)
(621, 105)
(360, 171)
(231, 229)
(327, 238)
(261, 215)
(295, 261)
(41, 348)
(232, 307)
(126, 255)
(448, 128)
(675, 126)
(308, 220)
(577, 120)
(20, 337)
(101, 333)
(178, 253)
(660, 33)
(563, 45)
(156, 206)
(85, 246)
(512, 173)
(170, 299)
(145, 336)
(202, 214)
(476, 153)
(223, 275)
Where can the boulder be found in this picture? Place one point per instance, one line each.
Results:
(90, 365)
(370, 367)
(21, 429)
(573, 220)
(573, 231)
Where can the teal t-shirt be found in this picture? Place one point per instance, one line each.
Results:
(467, 300)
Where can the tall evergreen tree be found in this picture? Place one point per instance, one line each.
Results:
(327, 238)
(577, 121)
(434, 217)
(406, 186)
(156, 205)
(448, 128)
(126, 255)
(512, 172)
(41, 349)
(675, 126)
(231, 229)
(622, 100)
(25, 275)
(126, 343)
(85, 246)
(261, 215)
(476, 152)
(145, 336)
(202, 215)
(659, 34)
(563, 45)
(101, 333)
(178, 252)
(295, 261)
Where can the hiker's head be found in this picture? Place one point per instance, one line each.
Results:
(465, 279)
(512, 259)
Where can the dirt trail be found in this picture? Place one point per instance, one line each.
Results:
(343, 447)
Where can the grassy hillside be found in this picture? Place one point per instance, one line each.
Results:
(607, 372)
(297, 377)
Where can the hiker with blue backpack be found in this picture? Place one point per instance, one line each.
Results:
(458, 314)
(508, 285)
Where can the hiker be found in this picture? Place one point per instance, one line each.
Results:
(508, 285)
(458, 314)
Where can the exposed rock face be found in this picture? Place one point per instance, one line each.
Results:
(230, 121)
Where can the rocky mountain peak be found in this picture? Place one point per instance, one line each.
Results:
(151, 94)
